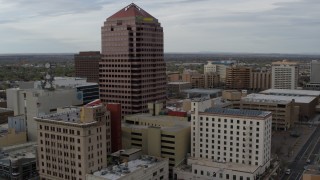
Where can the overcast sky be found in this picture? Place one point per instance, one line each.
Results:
(254, 26)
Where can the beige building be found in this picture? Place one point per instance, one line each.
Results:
(284, 110)
(11, 137)
(158, 135)
(35, 102)
(306, 100)
(227, 143)
(197, 80)
(219, 67)
(285, 75)
(292, 92)
(260, 80)
(231, 95)
(146, 167)
(74, 143)
(14, 132)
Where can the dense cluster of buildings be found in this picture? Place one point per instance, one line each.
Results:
(113, 120)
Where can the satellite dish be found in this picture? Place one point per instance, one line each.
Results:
(47, 65)
(48, 76)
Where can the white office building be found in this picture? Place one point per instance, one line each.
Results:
(284, 75)
(227, 143)
(219, 67)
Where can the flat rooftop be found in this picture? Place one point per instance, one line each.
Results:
(291, 92)
(126, 152)
(221, 165)
(178, 83)
(203, 91)
(279, 98)
(16, 152)
(71, 117)
(122, 170)
(3, 131)
(3, 110)
(238, 112)
(168, 123)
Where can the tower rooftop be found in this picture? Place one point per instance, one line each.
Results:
(132, 10)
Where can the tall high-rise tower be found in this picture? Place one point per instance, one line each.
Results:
(284, 75)
(315, 68)
(132, 69)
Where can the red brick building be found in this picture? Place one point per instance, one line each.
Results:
(132, 71)
(115, 113)
(87, 65)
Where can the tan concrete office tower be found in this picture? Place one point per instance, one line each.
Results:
(73, 143)
(132, 71)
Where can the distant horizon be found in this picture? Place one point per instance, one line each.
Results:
(249, 53)
(276, 26)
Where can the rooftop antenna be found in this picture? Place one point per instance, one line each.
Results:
(47, 83)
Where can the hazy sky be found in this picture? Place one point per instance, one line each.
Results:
(259, 26)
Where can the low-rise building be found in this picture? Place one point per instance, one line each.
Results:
(207, 93)
(158, 135)
(126, 154)
(18, 162)
(175, 88)
(14, 133)
(206, 169)
(219, 67)
(4, 114)
(146, 167)
(231, 95)
(197, 80)
(307, 104)
(292, 92)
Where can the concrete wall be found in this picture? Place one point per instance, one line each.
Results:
(13, 138)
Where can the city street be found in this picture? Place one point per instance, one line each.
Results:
(308, 151)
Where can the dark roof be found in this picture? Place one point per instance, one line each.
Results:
(131, 10)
